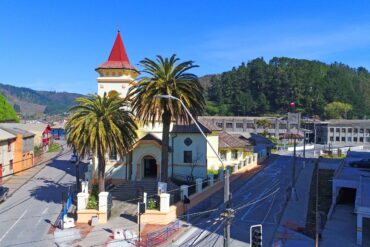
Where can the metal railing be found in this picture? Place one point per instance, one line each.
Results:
(157, 237)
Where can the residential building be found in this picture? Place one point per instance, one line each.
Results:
(23, 149)
(339, 131)
(42, 131)
(7, 141)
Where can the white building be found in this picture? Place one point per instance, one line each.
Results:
(7, 141)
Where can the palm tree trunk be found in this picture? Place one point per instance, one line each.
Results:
(166, 121)
(101, 172)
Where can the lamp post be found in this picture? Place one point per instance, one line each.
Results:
(228, 210)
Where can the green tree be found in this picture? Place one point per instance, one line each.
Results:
(7, 113)
(337, 109)
(165, 76)
(99, 125)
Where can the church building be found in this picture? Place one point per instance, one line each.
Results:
(189, 155)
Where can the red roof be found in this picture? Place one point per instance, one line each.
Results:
(118, 58)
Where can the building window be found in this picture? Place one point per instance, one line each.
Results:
(113, 154)
(239, 125)
(331, 139)
(355, 130)
(337, 138)
(11, 164)
(343, 130)
(234, 154)
(367, 139)
(350, 130)
(9, 146)
(229, 125)
(250, 125)
(188, 157)
(355, 139)
(361, 130)
(331, 130)
(349, 139)
(282, 126)
(220, 125)
(188, 141)
(343, 139)
(368, 131)
(223, 155)
(337, 130)
(361, 139)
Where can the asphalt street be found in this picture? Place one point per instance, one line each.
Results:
(261, 200)
(26, 217)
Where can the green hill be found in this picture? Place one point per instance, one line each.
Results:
(7, 113)
(259, 87)
(31, 103)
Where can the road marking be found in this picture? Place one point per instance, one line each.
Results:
(43, 212)
(6, 233)
(259, 197)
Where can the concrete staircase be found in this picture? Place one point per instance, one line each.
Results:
(132, 191)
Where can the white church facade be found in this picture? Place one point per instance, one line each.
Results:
(189, 156)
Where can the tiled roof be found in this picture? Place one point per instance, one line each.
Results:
(206, 127)
(15, 131)
(4, 135)
(118, 58)
(226, 140)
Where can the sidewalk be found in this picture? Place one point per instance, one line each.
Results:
(295, 213)
(15, 182)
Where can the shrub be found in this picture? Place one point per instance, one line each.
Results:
(152, 204)
(93, 198)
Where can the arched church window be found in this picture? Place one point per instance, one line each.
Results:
(112, 93)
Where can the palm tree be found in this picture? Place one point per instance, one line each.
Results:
(99, 125)
(165, 76)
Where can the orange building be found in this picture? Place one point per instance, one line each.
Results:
(23, 149)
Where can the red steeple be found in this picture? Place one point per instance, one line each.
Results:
(118, 58)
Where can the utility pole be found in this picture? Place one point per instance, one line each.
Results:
(227, 213)
(317, 203)
(294, 195)
(304, 148)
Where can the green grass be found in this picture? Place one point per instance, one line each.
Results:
(54, 147)
(325, 197)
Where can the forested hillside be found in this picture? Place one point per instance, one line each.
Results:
(32, 104)
(7, 113)
(261, 87)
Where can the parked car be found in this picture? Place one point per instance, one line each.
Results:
(365, 163)
(4, 191)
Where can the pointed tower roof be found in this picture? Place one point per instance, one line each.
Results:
(118, 58)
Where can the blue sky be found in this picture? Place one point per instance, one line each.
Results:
(56, 45)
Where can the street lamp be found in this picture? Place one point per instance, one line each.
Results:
(228, 210)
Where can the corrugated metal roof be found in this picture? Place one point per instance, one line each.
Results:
(4, 135)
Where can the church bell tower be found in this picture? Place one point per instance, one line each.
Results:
(116, 75)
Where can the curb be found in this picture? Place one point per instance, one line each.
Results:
(42, 163)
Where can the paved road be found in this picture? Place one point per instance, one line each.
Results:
(267, 212)
(26, 217)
